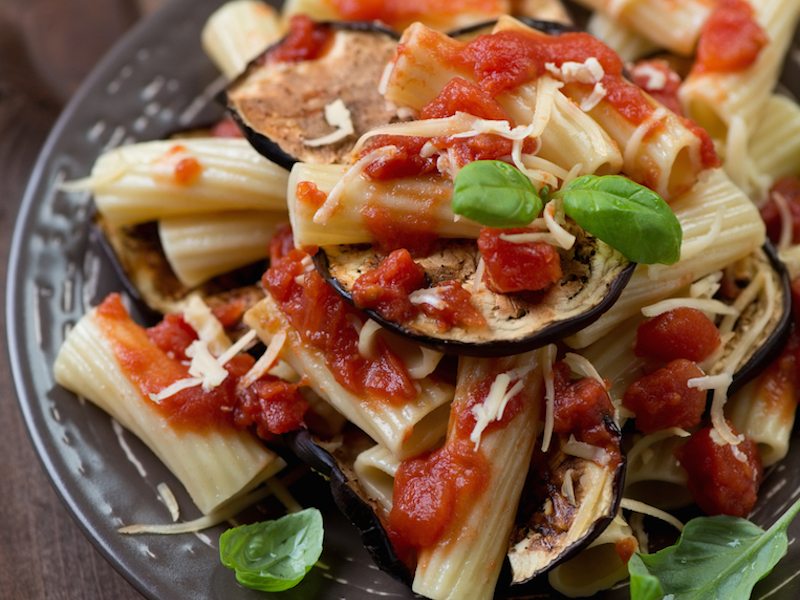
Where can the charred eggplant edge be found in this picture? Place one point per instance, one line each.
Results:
(359, 512)
(546, 335)
(262, 144)
(776, 340)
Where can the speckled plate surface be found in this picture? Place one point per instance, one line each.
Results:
(157, 80)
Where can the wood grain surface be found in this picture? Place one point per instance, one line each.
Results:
(46, 48)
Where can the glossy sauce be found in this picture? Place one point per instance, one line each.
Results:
(679, 333)
(730, 40)
(326, 322)
(512, 267)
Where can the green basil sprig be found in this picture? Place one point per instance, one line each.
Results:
(715, 557)
(495, 194)
(273, 556)
(627, 216)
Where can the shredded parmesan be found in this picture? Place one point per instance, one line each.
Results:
(477, 280)
(383, 84)
(331, 203)
(581, 366)
(707, 286)
(337, 115)
(174, 388)
(565, 239)
(266, 362)
(494, 405)
(547, 356)
(168, 498)
(220, 515)
(586, 451)
(426, 296)
(241, 344)
(646, 509)
(704, 304)
(633, 145)
(782, 205)
(208, 328)
(656, 78)
(643, 444)
(588, 71)
(710, 382)
(529, 238)
(568, 489)
(592, 100)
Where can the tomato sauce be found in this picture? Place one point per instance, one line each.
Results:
(789, 189)
(386, 287)
(155, 358)
(679, 333)
(721, 483)
(460, 95)
(454, 309)
(663, 398)
(325, 322)
(512, 267)
(731, 39)
(708, 153)
(437, 489)
(657, 78)
(282, 243)
(405, 162)
(400, 13)
(309, 194)
(414, 231)
(306, 40)
(582, 408)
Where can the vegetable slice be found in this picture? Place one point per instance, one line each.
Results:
(273, 556)
(715, 557)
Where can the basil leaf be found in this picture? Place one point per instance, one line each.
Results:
(273, 556)
(625, 215)
(716, 557)
(495, 194)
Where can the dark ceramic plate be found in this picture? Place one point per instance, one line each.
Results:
(155, 81)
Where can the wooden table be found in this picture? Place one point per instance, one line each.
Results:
(46, 48)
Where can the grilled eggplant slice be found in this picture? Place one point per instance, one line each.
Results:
(594, 275)
(567, 502)
(281, 105)
(763, 326)
(335, 461)
(140, 263)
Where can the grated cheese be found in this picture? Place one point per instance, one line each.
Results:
(494, 405)
(337, 115)
(383, 84)
(547, 356)
(785, 214)
(208, 328)
(592, 100)
(707, 305)
(710, 382)
(633, 145)
(646, 509)
(266, 362)
(568, 489)
(586, 451)
(426, 296)
(656, 78)
(168, 498)
(565, 239)
(529, 238)
(642, 445)
(707, 286)
(331, 203)
(588, 71)
(477, 280)
(581, 366)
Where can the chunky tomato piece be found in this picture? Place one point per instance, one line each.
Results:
(460, 95)
(454, 307)
(306, 40)
(272, 405)
(324, 321)
(173, 335)
(406, 161)
(731, 38)
(722, 480)
(678, 333)
(657, 78)
(230, 312)
(282, 243)
(386, 287)
(663, 399)
(309, 194)
(514, 267)
(581, 407)
(789, 189)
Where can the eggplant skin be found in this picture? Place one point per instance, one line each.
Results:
(594, 277)
(534, 534)
(773, 344)
(279, 105)
(548, 27)
(358, 510)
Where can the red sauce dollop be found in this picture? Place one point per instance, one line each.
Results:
(581, 408)
(460, 95)
(512, 267)
(152, 360)
(789, 189)
(308, 193)
(719, 482)
(325, 322)
(306, 40)
(455, 309)
(663, 399)
(731, 39)
(414, 231)
(679, 333)
(386, 287)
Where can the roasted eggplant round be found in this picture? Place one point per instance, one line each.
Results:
(280, 106)
(594, 275)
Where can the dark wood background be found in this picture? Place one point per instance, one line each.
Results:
(46, 48)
